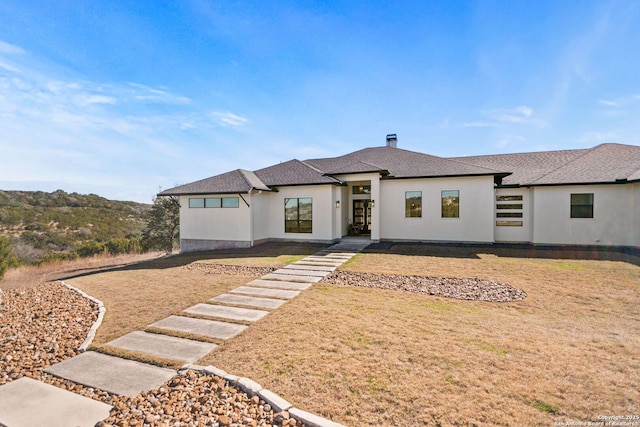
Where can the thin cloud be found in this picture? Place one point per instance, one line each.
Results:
(149, 94)
(11, 49)
(226, 118)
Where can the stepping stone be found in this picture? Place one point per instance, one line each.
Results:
(310, 267)
(279, 284)
(322, 259)
(317, 263)
(292, 278)
(250, 301)
(264, 292)
(295, 272)
(232, 313)
(208, 328)
(112, 374)
(27, 403)
(164, 346)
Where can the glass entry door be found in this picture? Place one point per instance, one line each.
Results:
(362, 216)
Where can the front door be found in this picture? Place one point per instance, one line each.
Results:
(362, 215)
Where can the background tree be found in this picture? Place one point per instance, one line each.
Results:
(163, 224)
(7, 260)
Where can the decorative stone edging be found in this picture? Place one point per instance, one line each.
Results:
(101, 310)
(276, 402)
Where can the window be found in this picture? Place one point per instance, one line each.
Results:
(214, 202)
(582, 205)
(298, 215)
(451, 204)
(504, 219)
(413, 204)
(230, 202)
(196, 203)
(361, 189)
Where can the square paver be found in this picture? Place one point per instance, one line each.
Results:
(27, 403)
(233, 313)
(164, 346)
(292, 278)
(248, 301)
(112, 374)
(265, 292)
(280, 284)
(297, 272)
(207, 328)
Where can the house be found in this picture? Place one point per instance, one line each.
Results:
(570, 197)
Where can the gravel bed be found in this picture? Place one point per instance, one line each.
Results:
(459, 288)
(40, 327)
(44, 325)
(230, 270)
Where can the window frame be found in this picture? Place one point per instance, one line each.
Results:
(300, 227)
(455, 205)
(416, 210)
(575, 208)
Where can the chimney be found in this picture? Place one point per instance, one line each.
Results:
(392, 140)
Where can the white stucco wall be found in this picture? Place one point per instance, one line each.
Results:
(323, 212)
(476, 221)
(260, 212)
(214, 224)
(516, 234)
(614, 222)
(636, 216)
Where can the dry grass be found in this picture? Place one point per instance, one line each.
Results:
(360, 356)
(32, 275)
(570, 351)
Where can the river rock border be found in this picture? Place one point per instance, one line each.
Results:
(472, 289)
(94, 328)
(277, 403)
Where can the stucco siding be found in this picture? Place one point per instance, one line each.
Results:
(322, 212)
(214, 224)
(261, 214)
(475, 222)
(613, 221)
(635, 226)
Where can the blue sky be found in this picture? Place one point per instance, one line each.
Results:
(122, 98)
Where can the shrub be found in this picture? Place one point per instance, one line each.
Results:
(7, 259)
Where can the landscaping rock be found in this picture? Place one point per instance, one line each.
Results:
(229, 270)
(459, 288)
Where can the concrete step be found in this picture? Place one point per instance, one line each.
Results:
(207, 328)
(27, 403)
(225, 312)
(264, 292)
(248, 301)
(164, 346)
(324, 268)
(112, 374)
(297, 272)
(279, 284)
(292, 278)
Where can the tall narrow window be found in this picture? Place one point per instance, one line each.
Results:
(582, 205)
(413, 204)
(298, 215)
(451, 204)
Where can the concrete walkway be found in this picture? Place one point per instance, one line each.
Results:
(221, 318)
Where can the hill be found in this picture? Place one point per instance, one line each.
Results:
(41, 223)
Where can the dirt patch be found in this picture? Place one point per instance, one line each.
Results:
(459, 288)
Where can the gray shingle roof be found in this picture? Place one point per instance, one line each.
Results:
(237, 181)
(402, 163)
(293, 172)
(600, 164)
